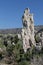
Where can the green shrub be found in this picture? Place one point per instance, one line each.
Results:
(16, 39)
(9, 49)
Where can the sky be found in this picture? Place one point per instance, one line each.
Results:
(11, 12)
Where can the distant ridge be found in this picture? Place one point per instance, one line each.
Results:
(17, 30)
(10, 31)
(38, 27)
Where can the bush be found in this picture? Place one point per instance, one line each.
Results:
(1, 53)
(16, 39)
(9, 49)
(28, 55)
(18, 51)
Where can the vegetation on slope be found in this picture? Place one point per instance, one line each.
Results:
(14, 54)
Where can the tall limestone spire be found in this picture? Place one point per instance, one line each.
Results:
(28, 29)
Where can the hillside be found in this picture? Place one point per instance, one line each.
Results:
(11, 49)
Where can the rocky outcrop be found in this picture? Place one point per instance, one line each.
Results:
(28, 29)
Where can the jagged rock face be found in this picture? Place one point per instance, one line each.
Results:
(39, 35)
(28, 29)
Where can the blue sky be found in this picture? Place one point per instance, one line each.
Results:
(11, 12)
